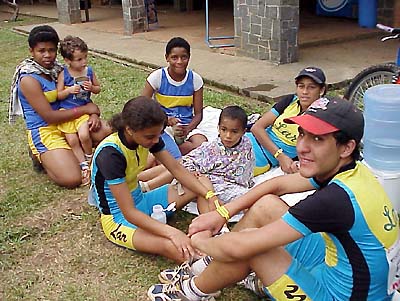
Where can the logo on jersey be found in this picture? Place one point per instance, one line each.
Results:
(291, 293)
(118, 235)
(392, 218)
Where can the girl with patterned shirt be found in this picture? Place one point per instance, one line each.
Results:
(227, 161)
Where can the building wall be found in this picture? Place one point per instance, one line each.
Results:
(267, 29)
(396, 16)
(387, 14)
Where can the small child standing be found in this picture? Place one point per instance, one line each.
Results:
(74, 86)
(227, 161)
(180, 92)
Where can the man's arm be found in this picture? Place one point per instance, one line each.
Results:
(281, 185)
(290, 183)
(243, 245)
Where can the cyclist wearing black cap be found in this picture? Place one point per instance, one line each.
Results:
(274, 140)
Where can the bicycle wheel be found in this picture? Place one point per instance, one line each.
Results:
(372, 76)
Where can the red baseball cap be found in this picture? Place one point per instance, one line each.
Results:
(328, 115)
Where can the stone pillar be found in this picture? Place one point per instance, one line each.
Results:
(68, 11)
(134, 15)
(267, 29)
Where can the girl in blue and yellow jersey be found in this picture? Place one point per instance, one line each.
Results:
(273, 140)
(125, 209)
(180, 92)
(35, 83)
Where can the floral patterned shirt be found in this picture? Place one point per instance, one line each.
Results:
(222, 164)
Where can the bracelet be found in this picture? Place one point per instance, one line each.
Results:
(222, 210)
(277, 153)
(209, 194)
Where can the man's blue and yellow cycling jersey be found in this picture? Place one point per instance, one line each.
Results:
(361, 230)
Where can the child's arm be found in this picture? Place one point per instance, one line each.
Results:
(148, 90)
(197, 111)
(258, 130)
(62, 91)
(92, 86)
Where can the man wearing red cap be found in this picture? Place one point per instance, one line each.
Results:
(340, 243)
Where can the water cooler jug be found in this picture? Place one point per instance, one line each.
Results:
(382, 137)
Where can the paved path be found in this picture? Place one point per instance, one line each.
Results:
(259, 79)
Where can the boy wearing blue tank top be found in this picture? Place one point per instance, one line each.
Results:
(74, 86)
(180, 92)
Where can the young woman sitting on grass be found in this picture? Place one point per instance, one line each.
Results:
(125, 209)
(34, 86)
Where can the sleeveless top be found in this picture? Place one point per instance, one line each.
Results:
(177, 101)
(75, 100)
(32, 118)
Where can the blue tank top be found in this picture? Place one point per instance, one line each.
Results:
(32, 118)
(177, 101)
(75, 100)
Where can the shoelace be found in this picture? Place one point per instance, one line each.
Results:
(172, 288)
(175, 288)
(178, 270)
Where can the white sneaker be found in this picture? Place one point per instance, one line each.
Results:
(254, 284)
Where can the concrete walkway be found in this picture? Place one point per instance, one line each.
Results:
(259, 79)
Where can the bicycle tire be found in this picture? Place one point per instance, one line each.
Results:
(372, 76)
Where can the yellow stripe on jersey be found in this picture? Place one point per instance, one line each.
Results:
(285, 288)
(258, 170)
(174, 101)
(133, 167)
(385, 226)
(51, 96)
(284, 131)
(331, 257)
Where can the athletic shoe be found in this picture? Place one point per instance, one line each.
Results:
(169, 276)
(173, 292)
(253, 283)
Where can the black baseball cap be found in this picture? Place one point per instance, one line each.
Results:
(313, 72)
(328, 115)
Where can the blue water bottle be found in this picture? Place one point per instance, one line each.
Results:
(367, 13)
(382, 128)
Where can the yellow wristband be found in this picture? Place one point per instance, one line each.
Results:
(222, 210)
(209, 195)
(278, 152)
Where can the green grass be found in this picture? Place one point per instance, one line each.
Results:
(51, 243)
